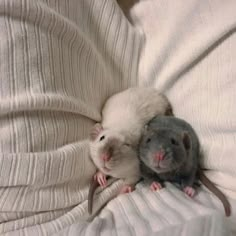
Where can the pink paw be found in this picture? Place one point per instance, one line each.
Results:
(189, 191)
(100, 178)
(126, 189)
(155, 186)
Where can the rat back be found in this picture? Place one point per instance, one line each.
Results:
(128, 111)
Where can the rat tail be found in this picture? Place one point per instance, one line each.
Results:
(93, 185)
(216, 191)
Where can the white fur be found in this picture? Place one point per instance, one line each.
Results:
(122, 155)
(127, 112)
(124, 116)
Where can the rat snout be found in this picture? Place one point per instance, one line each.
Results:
(107, 155)
(159, 156)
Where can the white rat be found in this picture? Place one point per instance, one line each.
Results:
(113, 144)
(113, 157)
(111, 154)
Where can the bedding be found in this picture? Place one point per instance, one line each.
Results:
(60, 61)
(167, 212)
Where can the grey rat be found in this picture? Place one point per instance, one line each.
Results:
(113, 157)
(113, 143)
(169, 150)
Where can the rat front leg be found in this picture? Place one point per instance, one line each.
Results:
(129, 184)
(100, 177)
(187, 184)
(151, 178)
(155, 186)
(155, 183)
(189, 190)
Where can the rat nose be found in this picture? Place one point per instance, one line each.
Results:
(106, 157)
(159, 156)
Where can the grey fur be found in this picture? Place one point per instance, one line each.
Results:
(177, 143)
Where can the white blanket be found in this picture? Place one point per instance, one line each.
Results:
(60, 61)
(167, 212)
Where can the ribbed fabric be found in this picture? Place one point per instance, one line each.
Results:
(166, 212)
(190, 54)
(59, 62)
(143, 212)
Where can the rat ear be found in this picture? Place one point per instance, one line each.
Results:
(95, 131)
(145, 129)
(169, 111)
(186, 140)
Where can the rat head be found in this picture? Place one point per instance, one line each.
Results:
(164, 150)
(107, 148)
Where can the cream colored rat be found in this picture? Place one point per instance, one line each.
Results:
(113, 143)
(113, 157)
(128, 111)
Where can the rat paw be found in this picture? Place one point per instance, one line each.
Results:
(155, 186)
(126, 189)
(100, 178)
(190, 191)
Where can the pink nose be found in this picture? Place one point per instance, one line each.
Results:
(159, 156)
(106, 157)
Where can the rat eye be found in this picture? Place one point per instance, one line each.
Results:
(174, 142)
(148, 140)
(102, 138)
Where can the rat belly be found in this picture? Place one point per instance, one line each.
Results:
(171, 177)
